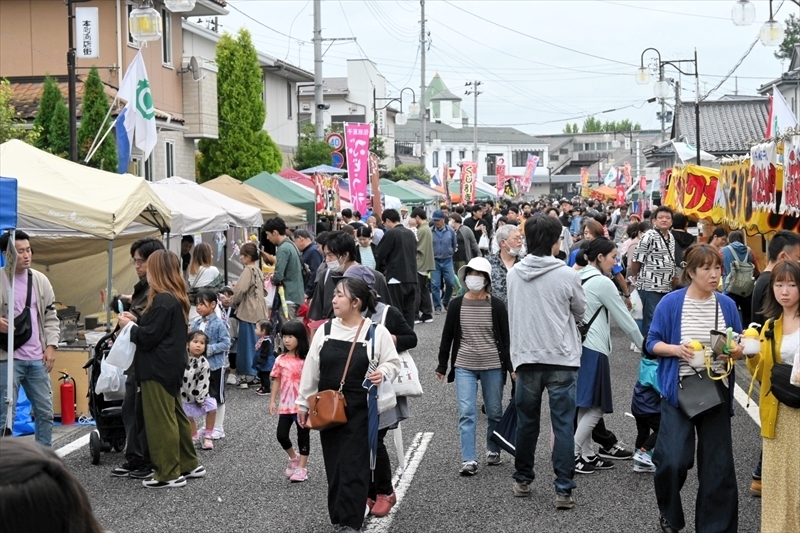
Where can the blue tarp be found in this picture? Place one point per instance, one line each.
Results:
(8, 203)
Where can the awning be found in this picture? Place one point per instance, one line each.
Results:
(270, 206)
(188, 215)
(285, 190)
(239, 214)
(406, 195)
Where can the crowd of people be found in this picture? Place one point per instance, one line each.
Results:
(528, 293)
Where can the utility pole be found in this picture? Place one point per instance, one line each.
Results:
(663, 110)
(423, 110)
(638, 162)
(475, 92)
(319, 105)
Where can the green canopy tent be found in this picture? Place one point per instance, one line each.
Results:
(455, 188)
(285, 190)
(406, 195)
(437, 196)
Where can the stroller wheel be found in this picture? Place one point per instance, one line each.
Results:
(94, 446)
(119, 445)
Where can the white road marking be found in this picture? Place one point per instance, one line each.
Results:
(75, 445)
(741, 396)
(401, 481)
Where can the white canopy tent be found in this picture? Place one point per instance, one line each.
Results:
(239, 214)
(188, 215)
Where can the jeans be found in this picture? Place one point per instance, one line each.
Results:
(443, 270)
(561, 390)
(246, 349)
(35, 380)
(716, 507)
(466, 392)
(650, 300)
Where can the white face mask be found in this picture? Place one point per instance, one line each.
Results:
(334, 266)
(514, 251)
(475, 283)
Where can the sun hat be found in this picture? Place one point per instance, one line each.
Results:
(479, 264)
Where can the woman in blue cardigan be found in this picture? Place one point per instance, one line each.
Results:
(683, 316)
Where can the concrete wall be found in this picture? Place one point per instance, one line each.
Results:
(200, 101)
(281, 121)
(184, 156)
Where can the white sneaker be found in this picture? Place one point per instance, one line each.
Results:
(643, 457)
(231, 380)
(217, 433)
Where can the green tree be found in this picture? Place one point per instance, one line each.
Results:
(11, 125)
(408, 172)
(58, 135)
(568, 128)
(790, 39)
(377, 147)
(637, 127)
(94, 110)
(243, 148)
(51, 95)
(311, 152)
(592, 125)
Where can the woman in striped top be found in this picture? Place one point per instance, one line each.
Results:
(475, 341)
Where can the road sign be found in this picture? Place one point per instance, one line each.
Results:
(335, 141)
(337, 159)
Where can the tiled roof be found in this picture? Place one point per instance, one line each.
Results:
(28, 91)
(726, 126)
(329, 86)
(448, 134)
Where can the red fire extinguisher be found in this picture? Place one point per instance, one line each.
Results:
(68, 405)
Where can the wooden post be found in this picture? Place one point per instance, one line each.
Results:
(375, 178)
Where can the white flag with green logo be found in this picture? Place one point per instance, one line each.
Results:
(139, 115)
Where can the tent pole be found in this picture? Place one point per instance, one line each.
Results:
(10, 392)
(225, 255)
(108, 286)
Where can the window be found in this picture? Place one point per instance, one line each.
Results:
(131, 40)
(148, 168)
(519, 158)
(554, 157)
(563, 150)
(577, 147)
(289, 96)
(462, 154)
(435, 159)
(170, 159)
(166, 38)
(448, 158)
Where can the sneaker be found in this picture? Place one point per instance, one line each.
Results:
(417, 321)
(428, 320)
(493, 459)
(639, 466)
(255, 381)
(300, 475)
(124, 470)
(218, 433)
(565, 501)
(263, 391)
(644, 456)
(665, 527)
(242, 383)
(141, 473)
(583, 467)
(437, 311)
(522, 489)
(153, 484)
(755, 488)
(600, 464)
(231, 380)
(617, 451)
(383, 504)
(198, 472)
(469, 468)
(292, 466)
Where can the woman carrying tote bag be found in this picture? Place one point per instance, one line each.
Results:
(683, 316)
(345, 447)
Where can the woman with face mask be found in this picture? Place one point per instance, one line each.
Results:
(510, 241)
(475, 344)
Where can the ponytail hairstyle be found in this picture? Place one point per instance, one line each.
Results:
(357, 288)
(580, 258)
(598, 246)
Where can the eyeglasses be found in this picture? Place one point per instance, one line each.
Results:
(138, 262)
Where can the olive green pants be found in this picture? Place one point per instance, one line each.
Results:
(169, 435)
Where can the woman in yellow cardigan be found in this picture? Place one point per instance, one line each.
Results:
(780, 424)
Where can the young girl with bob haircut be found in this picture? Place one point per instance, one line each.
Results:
(780, 424)
(682, 316)
(160, 339)
(345, 448)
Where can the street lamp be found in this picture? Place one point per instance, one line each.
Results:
(743, 13)
(642, 75)
(179, 6)
(772, 32)
(661, 88)
(401, 118)
(145, 22)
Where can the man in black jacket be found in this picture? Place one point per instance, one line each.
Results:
(311, 255)
(396, 257)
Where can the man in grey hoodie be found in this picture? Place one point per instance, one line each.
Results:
(545, 303)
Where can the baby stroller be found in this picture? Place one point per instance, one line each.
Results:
(110, 431)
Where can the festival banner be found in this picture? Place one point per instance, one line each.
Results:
(501, 175)
(642, 183)
(357, 142)
(626, 172)
(692, 191)
(530, 168)
(584, 177)
(763, 165)
(327, 193)
(790, 197)
(469, 171)
(512, 184)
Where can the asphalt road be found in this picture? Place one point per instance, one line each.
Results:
(245, 490)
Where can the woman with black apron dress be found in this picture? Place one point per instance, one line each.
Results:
(345, 447)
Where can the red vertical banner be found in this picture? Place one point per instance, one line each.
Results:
(318, 193)
(356, 138)
(530, 168)
(469, 170)
(501, 176)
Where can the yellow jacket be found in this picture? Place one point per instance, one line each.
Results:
(760, 366)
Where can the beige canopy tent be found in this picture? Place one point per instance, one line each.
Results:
(77, 214)
(269, 205)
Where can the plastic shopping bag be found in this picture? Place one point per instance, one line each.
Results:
(794, 378)
(636, 305)
(386, 397)
(110, 381)
(123, 350)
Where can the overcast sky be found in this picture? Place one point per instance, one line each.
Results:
(586, 65)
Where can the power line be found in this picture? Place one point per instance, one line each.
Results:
(738, 63)
(448, 2)
(230, 4)
(683, 14)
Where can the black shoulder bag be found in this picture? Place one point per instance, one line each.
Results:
(23, 328)
(584, 327)
(698, 393)
(780, 386)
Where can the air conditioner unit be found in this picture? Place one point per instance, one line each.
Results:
(305, 106)
(353, 109)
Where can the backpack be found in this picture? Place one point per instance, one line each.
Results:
(740, 279)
